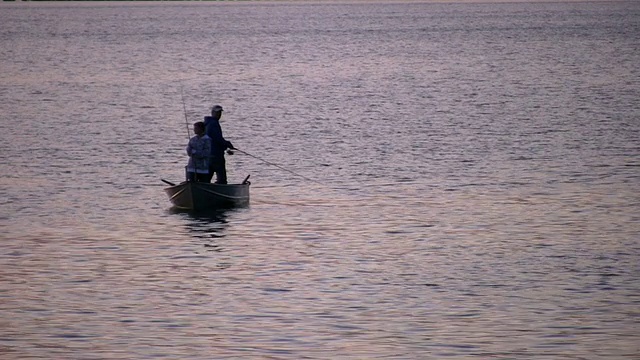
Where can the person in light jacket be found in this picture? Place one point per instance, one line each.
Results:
(218, 146)
(199, 151)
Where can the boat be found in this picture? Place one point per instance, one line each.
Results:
(200, 196)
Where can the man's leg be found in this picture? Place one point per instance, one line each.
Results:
(221, 172)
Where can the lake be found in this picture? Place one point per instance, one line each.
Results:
(430, 180)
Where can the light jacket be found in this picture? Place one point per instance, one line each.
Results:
(199, 151)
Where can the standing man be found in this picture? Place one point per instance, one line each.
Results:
(218, 145)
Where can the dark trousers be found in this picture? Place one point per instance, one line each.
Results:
(196, 177)
(218, 167)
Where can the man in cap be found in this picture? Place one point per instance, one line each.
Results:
(218, 145)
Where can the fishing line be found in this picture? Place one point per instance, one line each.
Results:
(280, 167)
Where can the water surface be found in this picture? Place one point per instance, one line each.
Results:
(463, 181)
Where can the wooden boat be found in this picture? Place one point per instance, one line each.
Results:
(198, 196)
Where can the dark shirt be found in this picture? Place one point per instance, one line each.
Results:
(218, 143)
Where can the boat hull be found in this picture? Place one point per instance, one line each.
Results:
(205, 196)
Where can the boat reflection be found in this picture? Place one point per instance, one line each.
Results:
(207, 226)
(208, 231)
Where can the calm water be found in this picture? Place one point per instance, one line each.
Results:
(467, 181)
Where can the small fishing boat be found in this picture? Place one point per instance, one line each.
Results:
(199, 196)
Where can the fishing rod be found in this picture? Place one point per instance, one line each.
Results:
(184, 106)
(278, 166)
(186, 121)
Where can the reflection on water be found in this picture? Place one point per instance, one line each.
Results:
(208, 226)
